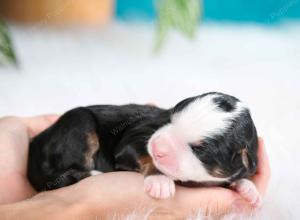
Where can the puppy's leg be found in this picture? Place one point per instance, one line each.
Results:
(156, 184)
(159, 186)
(64, 153)
(248, 191)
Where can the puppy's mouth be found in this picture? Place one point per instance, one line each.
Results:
(163, 169)
(193, 184)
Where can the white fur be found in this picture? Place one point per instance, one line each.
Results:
(159, 186)
(203, 118)
(95, 172)
(191, 168)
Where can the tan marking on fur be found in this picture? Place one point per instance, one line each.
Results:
(93, 147)
(217, 172)
(146, 166)
(245, 159)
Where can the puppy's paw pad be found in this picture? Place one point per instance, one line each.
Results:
(159, 186)
(248, 191)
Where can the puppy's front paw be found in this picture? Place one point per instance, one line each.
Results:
(248, 191)
(159, 186)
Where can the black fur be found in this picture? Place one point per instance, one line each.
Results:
(222, 151)
(57, 157)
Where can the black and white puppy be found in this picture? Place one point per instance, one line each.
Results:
(208, 139)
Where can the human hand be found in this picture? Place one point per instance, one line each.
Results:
(122, 192)
(15, 134)
(110, 192)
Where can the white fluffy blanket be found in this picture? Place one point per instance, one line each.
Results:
(63, 69)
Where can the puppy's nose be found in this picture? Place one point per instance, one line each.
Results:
(160, 147)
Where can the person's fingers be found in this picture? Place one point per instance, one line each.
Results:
(215, 201)
(219, 201)
(262, 176)
(14, 187)
(211, 201)
(37, 124)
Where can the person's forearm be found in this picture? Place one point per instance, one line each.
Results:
(45, 206)
(70, 203)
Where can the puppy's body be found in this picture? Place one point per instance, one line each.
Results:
(105, 138)
(205, 139)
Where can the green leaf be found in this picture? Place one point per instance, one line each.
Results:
(180, 15)
(7, 54)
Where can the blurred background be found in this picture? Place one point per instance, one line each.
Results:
(59, 54)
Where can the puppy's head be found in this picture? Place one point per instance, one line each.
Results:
(210, 138)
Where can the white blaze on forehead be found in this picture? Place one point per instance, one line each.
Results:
(203, 118)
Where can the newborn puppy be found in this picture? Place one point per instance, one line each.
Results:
(208, 139)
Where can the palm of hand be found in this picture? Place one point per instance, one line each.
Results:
(15, 134)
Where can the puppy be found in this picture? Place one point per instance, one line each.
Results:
(208, 139)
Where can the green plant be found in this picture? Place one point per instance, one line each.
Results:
(181, 15)
(7, 54)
